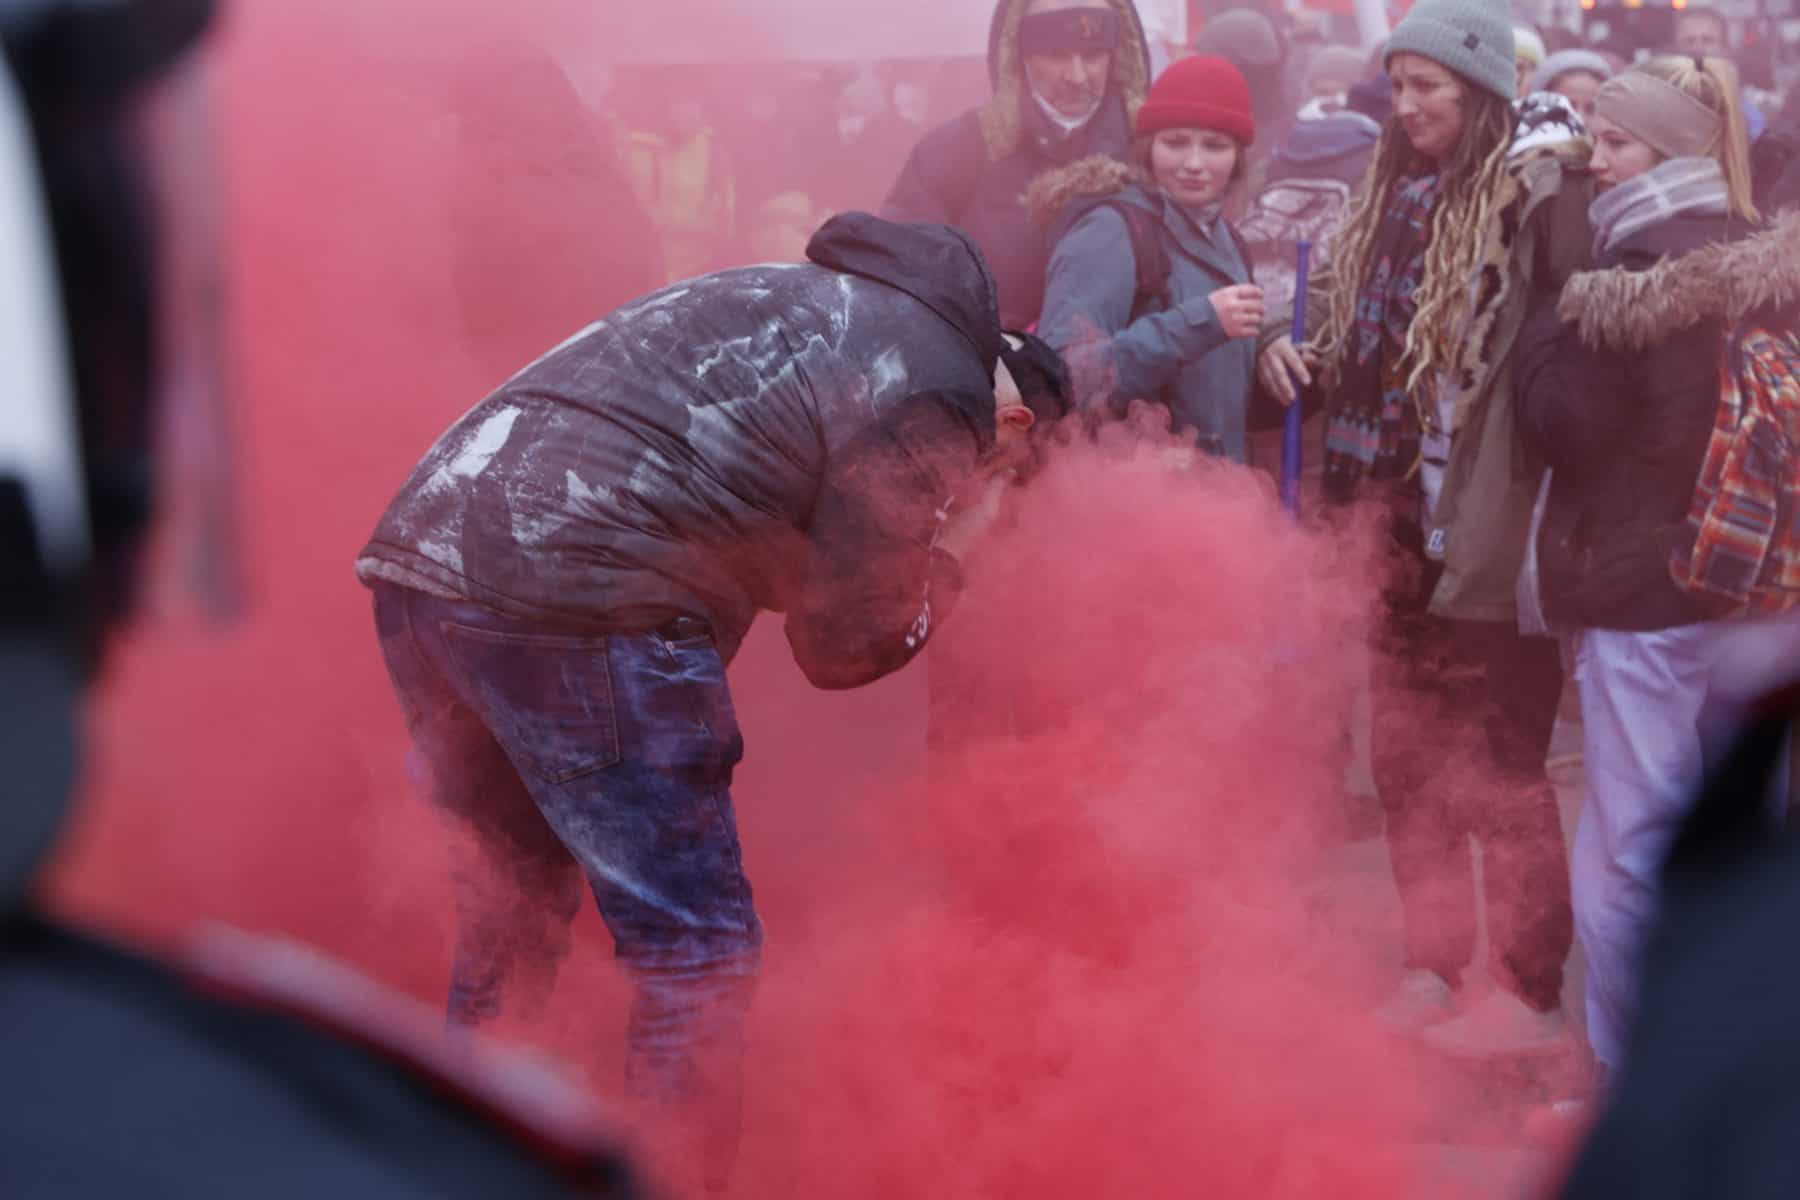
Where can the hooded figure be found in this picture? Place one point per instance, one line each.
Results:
(679, 456)
(1068, 77)
(562, 580)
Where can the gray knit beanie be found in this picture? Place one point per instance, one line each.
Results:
(1565, 61)
(1474, 38)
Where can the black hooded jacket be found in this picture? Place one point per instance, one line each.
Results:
(973, 171)
(782, 437)
(1624, 418)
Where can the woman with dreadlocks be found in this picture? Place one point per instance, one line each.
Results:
(1469, 207)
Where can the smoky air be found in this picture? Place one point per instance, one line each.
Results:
(1125, 946)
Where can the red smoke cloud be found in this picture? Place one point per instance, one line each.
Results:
(1090, 964)
(1087, 965)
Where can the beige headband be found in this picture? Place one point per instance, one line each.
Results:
(1659, 114)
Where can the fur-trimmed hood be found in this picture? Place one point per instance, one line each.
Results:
(1631, 310)
(1053, 191)
(1002, 118)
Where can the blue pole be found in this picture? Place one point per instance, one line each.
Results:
(1290, 443)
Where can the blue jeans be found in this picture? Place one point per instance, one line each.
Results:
(609, 756)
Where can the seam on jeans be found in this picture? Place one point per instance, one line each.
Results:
(571, 641)
(727, 824)
(729, 827)
(504, 637)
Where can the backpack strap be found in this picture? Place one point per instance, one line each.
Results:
(1153, 262)
(1148, 252)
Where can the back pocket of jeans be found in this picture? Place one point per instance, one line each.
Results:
(547, 698)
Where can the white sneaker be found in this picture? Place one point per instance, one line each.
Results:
(1500, 1024)
(1423, 998)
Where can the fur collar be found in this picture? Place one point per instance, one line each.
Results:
(1098, 175)
(1531, 178)
(1630, 310)
(1002, 118)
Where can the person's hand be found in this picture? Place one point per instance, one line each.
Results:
(1279, 364)
(975, 514)
(1240, 309)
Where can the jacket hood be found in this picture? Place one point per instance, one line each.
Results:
(936, 265)
(1052, 193)
(1631, 310)
(1003, 117)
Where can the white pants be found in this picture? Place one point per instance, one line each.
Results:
(1660, 709)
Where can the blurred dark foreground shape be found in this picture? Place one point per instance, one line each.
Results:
(247, 1068)
(1708, 1101)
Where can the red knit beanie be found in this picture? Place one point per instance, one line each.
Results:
(1203, 92)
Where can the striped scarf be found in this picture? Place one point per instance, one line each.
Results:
(1373, 429)
(1669, 189)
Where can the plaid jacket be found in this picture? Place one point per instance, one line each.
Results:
(1746, 537)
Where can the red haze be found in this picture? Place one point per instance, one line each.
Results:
(1087, 966)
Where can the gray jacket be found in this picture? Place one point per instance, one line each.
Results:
(1120, 346)
(781, 438)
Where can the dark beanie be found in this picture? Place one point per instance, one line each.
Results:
(1041, 374)
(1203, 92)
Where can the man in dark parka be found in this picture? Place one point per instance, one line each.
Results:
(1068, 77)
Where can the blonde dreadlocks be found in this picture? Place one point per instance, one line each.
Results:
(1462, 220)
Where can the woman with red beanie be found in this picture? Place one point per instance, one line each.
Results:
(1149, 294)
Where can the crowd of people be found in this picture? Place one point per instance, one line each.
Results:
(1549, 341)
(1535, 259)
(1540, 420)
